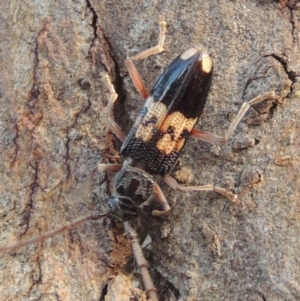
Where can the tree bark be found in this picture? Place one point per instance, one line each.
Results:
(55, 59)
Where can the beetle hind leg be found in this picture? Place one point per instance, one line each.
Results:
(134, 74)
(156, 49)
(135, 77)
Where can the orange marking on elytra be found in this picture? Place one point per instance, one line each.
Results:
(173, 128)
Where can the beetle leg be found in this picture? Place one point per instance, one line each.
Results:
(141, 262)
(109, 167)
(212, 138)
(134, 74)
(162, 200)
(207, 137)
(173, 184)
(110, 120)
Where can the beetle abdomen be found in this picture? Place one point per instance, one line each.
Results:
(170, 112)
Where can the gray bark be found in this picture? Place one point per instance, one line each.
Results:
(54, 60)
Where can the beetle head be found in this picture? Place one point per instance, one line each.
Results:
(122, 208)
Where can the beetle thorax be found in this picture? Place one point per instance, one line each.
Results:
(133, 183)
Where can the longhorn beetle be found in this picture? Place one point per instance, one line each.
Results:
(167, 119)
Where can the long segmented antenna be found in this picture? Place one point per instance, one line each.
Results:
(49, 234)
(141, 262)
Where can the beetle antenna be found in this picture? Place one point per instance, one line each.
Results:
(48, 234)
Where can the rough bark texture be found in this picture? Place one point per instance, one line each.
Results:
(54, 59)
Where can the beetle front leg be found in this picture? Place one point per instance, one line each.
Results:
(173, 184)
(110, 167)
(162, 200)
(141, 262)
(212, 138)
(134, 74)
